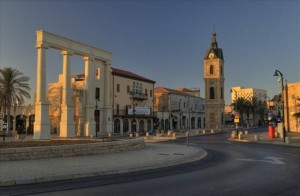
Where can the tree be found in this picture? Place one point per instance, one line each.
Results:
(14, 88)
(242, 107)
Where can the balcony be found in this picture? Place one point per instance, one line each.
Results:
(140, 96)
(124, 114)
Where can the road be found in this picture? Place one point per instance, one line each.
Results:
(229, 169)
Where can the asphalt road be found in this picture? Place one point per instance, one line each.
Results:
(229, 169)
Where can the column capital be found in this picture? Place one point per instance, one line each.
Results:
(88, 58)
(66, 52)
(107, 63)
(41, 45)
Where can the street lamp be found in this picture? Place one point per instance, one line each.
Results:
(282, 99)
(133, 128)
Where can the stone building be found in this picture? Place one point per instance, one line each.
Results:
(292, 106)
(132, 102)
(178, 109)
(214, 86)
(248, 93)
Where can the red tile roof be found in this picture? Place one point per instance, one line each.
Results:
(119, 72)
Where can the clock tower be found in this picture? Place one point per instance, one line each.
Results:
(214, 85)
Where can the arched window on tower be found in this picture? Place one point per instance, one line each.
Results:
(222, 95)
(212, 93)
(211, 69)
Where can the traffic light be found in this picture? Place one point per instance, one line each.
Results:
(1, 116)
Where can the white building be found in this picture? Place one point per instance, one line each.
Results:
(178, 109)
(248, 93)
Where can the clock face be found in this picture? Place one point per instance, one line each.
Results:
(211, 55)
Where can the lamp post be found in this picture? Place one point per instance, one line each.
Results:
(282, 99)
(236, 124)
(133, 128)
(96, 116)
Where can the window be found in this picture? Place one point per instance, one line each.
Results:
(211, 69)
(150, 93)
(146, 92)
(118, 87)
(98, 73)
(118, 107)
(128, 89)
(97, 93)
(212, 93)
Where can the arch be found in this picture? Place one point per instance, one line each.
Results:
(167, 124)
(149, 125)
(133, 125)
(117, 126)
(199, 123)
(193, 122)
(20, 123)
(141, 125)
(212, 92)
(126, 126)
(162, 124)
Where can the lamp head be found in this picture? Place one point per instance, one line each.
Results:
(276, 73)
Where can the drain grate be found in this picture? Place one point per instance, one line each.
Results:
(163, 154)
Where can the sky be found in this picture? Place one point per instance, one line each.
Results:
(163, 40)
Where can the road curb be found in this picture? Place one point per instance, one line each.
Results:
(200, 154)
(267, 143)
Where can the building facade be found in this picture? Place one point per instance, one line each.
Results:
(248, 94)
(178, 109)
(214, 86)
(292, 106)
(132, 102)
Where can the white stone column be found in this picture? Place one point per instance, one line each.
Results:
(67, 124)
(90, 96)
(107, 109)
(41, 123)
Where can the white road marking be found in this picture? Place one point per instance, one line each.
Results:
(292, 154)
(268, 159)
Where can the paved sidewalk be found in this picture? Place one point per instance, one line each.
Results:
(293, 139)
(154, 155)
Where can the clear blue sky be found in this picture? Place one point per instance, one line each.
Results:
(162, 40)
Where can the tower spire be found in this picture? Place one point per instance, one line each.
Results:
(214, 43)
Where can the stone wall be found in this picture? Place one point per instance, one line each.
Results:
(30, 153)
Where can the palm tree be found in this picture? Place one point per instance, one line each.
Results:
(242, 107)
(14, 88)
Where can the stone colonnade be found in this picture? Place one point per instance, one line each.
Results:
(90, 55)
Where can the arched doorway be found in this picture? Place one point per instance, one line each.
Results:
(141, 126)
(126, 126)
(193, 122)
(199, 123)
(167, 124)
(149, 125)
(117, 126)
(162, 124)
(133, 125)
(20, 123)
